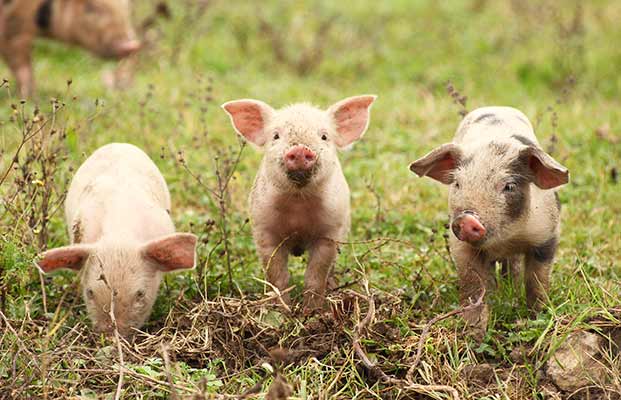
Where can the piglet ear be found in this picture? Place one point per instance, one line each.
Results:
(351, 118)
(69, 257)
(249, 118)
(547, 172)
(172, 252)
(438, 164)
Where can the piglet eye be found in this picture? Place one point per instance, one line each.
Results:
(509, 187)
(89, 293)
(140, 295)
(457, 185)
(324, 137)
(276, 136)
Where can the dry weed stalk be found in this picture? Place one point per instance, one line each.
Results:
(459, 99)
(36, 195)
(225, 167)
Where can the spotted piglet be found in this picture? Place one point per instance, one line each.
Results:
(503, 203)
(122, 237)
(300, 198)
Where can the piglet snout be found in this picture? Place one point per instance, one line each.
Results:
(300, 158)
(127, 47)
(468, 228)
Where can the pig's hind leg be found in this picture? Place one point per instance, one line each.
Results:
(538, 263)
(322, 255)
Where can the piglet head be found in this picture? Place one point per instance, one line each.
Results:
(102, 26)
(122, 279)
(300, 141)
(490, 187)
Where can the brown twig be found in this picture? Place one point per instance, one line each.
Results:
(171, 385)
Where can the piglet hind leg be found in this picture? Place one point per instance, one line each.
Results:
(274, 259)
(322, 256)
(537, 266)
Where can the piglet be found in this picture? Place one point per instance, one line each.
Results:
(123, 239)
(503, 204)
(102, 26)
(300, 198)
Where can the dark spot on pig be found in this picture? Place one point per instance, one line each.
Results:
(558, 201)
(519, 169)
(516, 201)
(76, 230)
(545, 252)
(498, 148)
(489, 118)
(466, 161)
(44, 15)
(484, 116)
(524, 140)
(297, 250)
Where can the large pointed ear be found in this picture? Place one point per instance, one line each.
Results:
(351, 118)
(172, 252)
(547, 172)
(439, 164)
(249, 118)
(69, 257)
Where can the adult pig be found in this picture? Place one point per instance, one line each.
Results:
(300, 198)
(503, 203)
(123, 239)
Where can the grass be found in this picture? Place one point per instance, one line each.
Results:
(558, 62)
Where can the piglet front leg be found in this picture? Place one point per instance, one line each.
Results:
(474, 277)
(323, 253)
(17, 54)
(274, 258)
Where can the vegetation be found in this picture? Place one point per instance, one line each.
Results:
(212, 333)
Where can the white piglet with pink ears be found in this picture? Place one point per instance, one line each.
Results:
(300, 199)
(123, 239)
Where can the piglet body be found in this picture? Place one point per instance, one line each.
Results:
(503, 204)
(300, 198)
(123, 239)
(101, 26)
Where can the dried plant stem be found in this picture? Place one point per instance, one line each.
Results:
(117, 337)
(171, 385)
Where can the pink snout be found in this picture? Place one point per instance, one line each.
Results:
(127, 48)
(300, 158)
(468, 228)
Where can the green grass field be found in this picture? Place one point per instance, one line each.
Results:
(558, 61)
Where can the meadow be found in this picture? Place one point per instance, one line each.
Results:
(393, 329)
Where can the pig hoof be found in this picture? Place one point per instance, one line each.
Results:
(313, 304)
(477, 333)
(477, 318)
